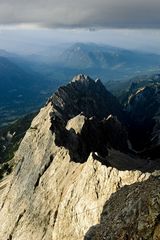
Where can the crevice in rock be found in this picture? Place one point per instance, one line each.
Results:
(55, 216)
(19, 166)
(10, 237)
(43, 170)
(46, 224)
(16, 225)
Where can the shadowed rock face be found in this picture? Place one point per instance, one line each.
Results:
(136, 214)
(85, 95)
(82, 136)
(144, 109)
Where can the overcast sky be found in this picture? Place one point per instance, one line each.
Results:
(82, 13)
(29, 25)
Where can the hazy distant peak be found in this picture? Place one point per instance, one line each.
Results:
(84, 79)
(81, 77)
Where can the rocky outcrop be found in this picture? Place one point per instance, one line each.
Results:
(136, 214)
(66, 169)
(82, 135)
(143, 107)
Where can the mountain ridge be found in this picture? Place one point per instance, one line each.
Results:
(50, 195)
(104, 57)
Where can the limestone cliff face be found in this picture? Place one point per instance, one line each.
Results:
(53, 196)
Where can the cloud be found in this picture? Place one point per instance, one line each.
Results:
(81, 13)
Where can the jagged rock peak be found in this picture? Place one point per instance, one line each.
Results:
(83, 94)
(86, 79)
(81, 77)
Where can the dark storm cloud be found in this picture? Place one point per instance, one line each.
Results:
(82, 13)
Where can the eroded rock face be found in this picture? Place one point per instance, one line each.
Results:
(51, 195)
(143, 107)
(136, 214)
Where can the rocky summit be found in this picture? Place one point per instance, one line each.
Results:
(76, 174)
(85, 95)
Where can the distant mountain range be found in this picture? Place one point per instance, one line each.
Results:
(102, 61)
(27, 81)
(84, 56)
(109, 63)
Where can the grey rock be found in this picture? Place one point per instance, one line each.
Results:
(134, 216)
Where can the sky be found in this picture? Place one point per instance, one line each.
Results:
(81, 14)
(29, 25)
